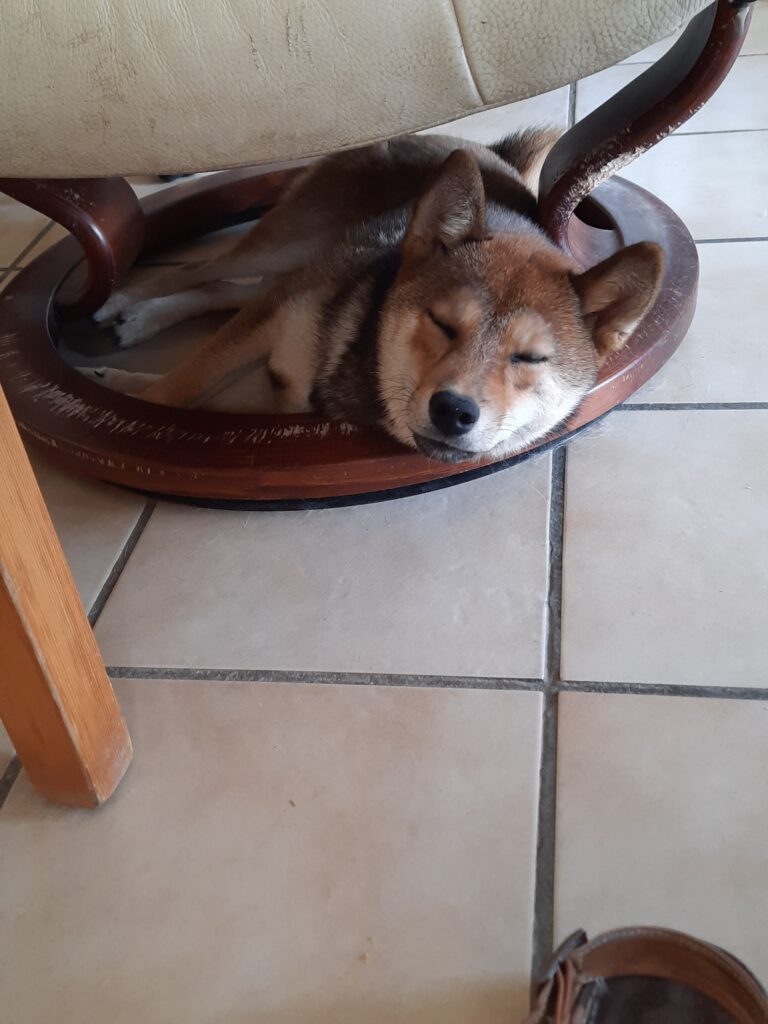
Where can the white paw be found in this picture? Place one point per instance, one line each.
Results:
(140, 322)
(124, 381)
(114, 307)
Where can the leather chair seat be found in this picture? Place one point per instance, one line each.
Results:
(102, 87)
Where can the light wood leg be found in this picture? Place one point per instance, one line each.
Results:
(55, 698)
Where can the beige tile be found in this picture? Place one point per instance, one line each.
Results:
(661, 818)
(666, 550)
(492, 125)
(723, 357)
(449, 583)
(717, 183)
(757, 37)
(284, 854)
(740, 104)
(54, 234)
(18, 227)
(93, 522)
(756, 41)
(146, 185)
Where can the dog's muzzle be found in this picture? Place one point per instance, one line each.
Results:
(442, 452)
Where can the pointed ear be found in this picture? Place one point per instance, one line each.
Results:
(450, 211)
(617, 293)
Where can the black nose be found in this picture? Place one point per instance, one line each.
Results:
(453, 414)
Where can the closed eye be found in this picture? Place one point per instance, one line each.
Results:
(528, 357)
(450, 332)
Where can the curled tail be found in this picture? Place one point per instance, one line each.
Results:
(526, 152)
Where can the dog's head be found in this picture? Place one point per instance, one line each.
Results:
(489, 341)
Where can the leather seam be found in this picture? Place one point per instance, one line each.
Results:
(465, 52)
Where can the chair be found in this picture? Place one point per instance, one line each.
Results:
(94, 91)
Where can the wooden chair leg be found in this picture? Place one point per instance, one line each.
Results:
(55, 698)
(105, 217)
(654, 104)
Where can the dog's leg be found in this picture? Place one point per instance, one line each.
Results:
(147, 318)
(125, 381)
(315, 213)
(180, 279)
(242, 342)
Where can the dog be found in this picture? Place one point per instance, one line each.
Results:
(408, 286)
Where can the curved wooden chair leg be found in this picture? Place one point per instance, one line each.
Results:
(295, 461)
(105, 217)
(642, 113)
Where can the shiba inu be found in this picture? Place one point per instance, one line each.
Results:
(405, 285)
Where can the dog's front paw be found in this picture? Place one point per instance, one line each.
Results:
(115, 306)
(124, 381)
(136, 325)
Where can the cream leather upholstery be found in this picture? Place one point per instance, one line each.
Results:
(95, 87)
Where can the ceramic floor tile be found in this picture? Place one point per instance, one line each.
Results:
(717, 183)
(284, 854)
(757, 37)
(723, 357)
(491, 125)
(19, 226)
(665, 573)
(93, 522)
(661, 818)
(740, 104)
(449, 583)
(756, 41)
(54, 234)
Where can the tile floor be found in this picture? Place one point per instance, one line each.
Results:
(384, 755)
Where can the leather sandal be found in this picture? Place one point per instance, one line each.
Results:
(646, 976)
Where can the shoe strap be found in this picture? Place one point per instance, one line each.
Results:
(650, 953)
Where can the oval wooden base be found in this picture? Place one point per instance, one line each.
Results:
(290, 461)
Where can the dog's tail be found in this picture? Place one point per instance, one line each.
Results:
(526, 152)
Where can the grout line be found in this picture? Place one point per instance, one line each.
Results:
(544, 891)
(544, 886)
(8, 778)
(721, 241)
(16, 265)
(685, 406)
(716, 131)
(555, 580)
(572, 104)
(649, 63)
(114, 574)
(320, 678)
(236, 675)
(667, 690)
(679, 134)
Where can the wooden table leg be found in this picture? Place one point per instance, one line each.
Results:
(55, 698)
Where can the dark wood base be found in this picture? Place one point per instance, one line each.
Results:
(212, 457)
(224, 457)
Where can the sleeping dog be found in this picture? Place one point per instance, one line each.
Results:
(405, 285)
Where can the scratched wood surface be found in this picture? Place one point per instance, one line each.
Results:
(254, 458)
(213, 456)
